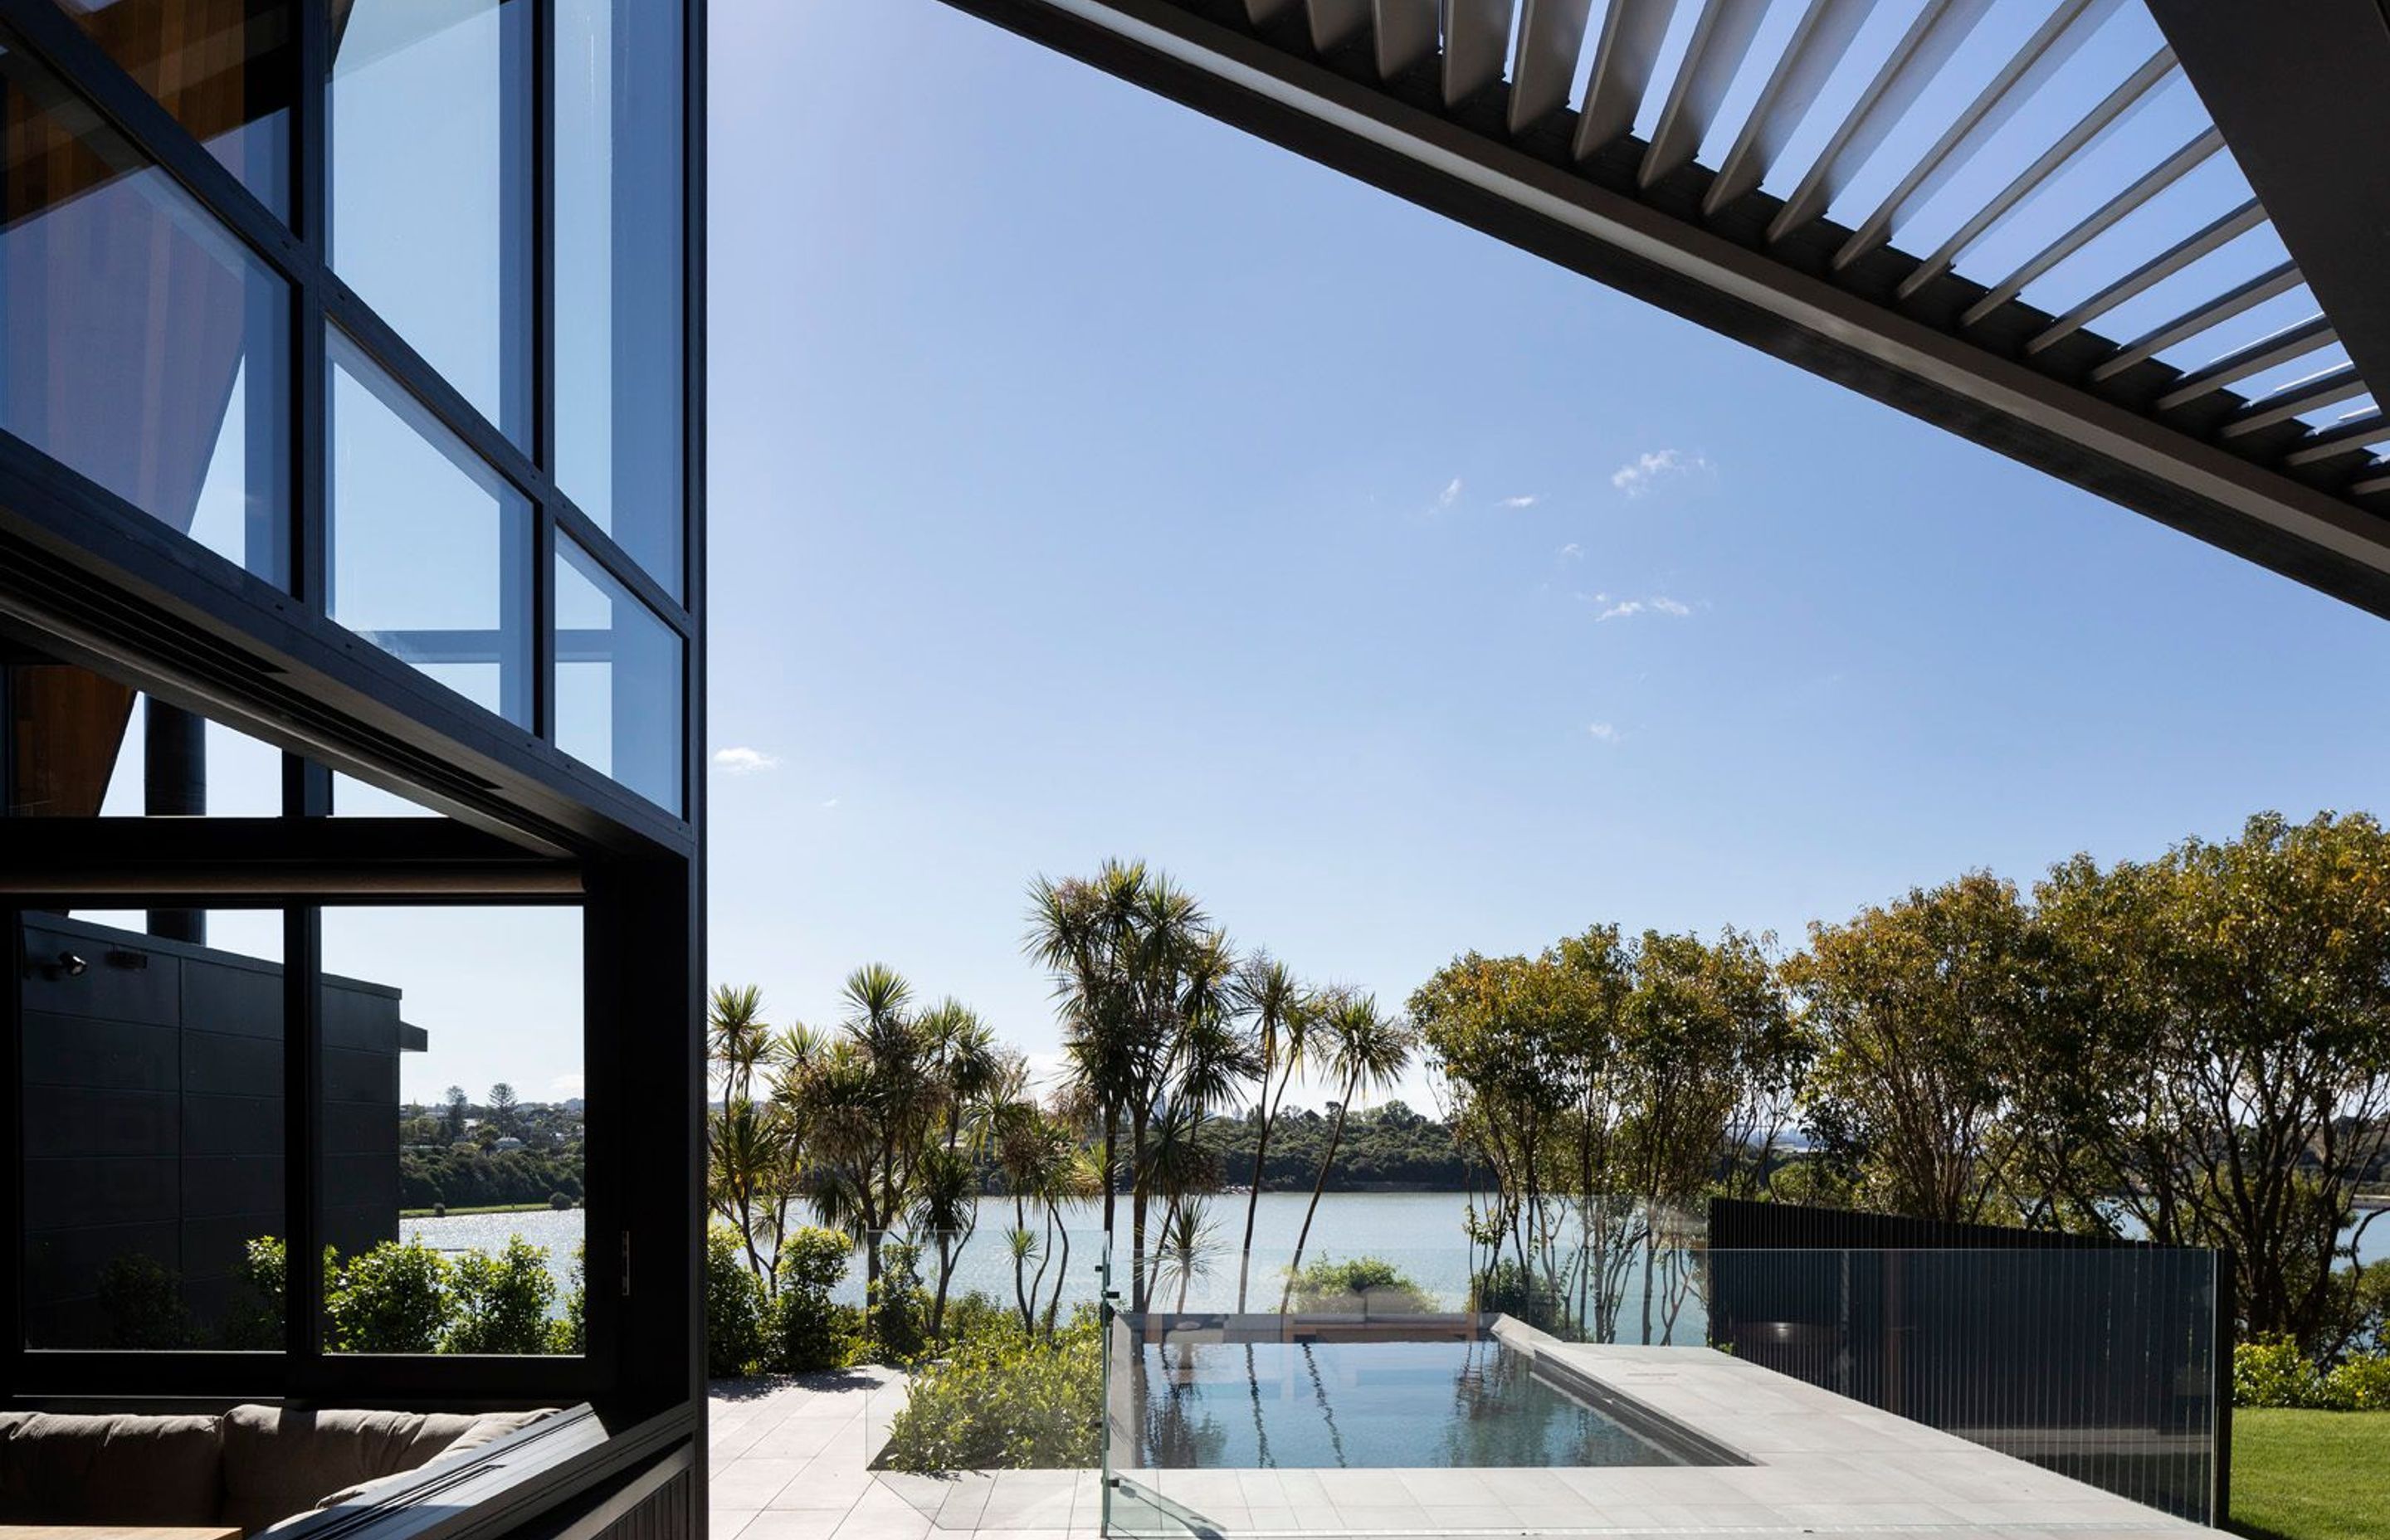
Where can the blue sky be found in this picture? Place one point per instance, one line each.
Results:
(1089, 479)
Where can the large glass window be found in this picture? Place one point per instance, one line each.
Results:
(617, 273)
(618, 680)
(82, 745)
(141, 344)
(453, 1111)
(223, 68)
(432, 186)
(151, 1129)
(431, 548)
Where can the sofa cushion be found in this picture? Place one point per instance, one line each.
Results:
(486, 1429)
(279, 1462)
(62, 1470)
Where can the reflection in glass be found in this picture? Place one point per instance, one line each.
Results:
(431, 548)
(432, 175)
(152, 1135)
(617, 273)
(81, 745)
(617, 680)
(452, 1082)
(141, 344)
(223, 68)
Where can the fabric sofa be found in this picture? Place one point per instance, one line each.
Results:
(261, 1467)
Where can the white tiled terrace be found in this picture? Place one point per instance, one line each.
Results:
(791, 1463)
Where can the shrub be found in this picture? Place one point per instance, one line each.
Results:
(559, 1201)
(1026, 1404)
(807, 1331)
(978, 1316)
(734, 1309)
(1328, 1285)
(899, 1305)
(144, 1304)
(571, 1334)
(2360, 1384)
(391, 1299)
(498, 1303)
(254, 1323)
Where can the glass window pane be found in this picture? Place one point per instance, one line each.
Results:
(431, 172)
(152, 1133)
(141, 344)
(618, 672)
(82, 745)
(451, 1163)
(223, 68)
(431, 548)
(617, 273)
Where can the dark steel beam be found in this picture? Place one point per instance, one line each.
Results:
(1544, 207)
(233, 861)
(2302, 93)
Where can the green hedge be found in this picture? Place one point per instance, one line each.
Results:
(2274, 1373)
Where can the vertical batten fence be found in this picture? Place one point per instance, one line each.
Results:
(2107, 1361)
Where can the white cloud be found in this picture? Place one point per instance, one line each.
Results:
(1451, 495)
(1526, 500)
(1635, 477)
(743, 761)
(569, 1085)
(1658, 604)
(831, 803)
(1572, 552)
(1604, 731)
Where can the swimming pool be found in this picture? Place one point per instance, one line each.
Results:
(1376, 1404)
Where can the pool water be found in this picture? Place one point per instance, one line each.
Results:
(1307, 1406)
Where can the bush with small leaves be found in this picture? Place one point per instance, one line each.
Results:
(2359, 1384)
(254, 1324)
(571, 1333)
(806, 1327)
(394, 1298)
(1361, 1282)
(734, 1309)
(1004, 1403)
(499, 1301)
(144, 1304)
(899, 1305)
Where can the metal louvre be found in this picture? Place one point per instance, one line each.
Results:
(1706, 154)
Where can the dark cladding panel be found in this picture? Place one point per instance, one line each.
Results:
(128, 1190)
(116, 982)
(232, 1126)
(101, 1053)
(62, 1122)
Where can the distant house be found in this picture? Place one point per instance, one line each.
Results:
(509, 1142)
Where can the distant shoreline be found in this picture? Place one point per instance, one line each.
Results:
(485, 1207)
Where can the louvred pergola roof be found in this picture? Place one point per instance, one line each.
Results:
(2138, 243)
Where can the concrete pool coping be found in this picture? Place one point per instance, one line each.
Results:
(791, 1462)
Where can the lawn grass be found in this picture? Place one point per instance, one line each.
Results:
(2311, 1475)
(487, 1208)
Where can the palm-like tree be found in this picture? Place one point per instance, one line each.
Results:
(871, 1103)
(735, 1036)
(967, 1067)
(1185, 1248)
(1281, 1009)
(1136, 961)
(1366, 1052)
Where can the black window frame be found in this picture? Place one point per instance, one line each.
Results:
(87, 577)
